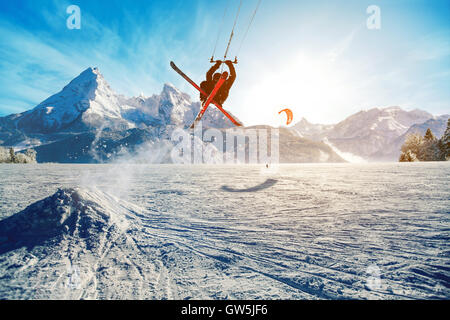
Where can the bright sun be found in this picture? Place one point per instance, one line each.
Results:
(309, 87)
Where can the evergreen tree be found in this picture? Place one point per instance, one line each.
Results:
(31, 155)
(407, 156)
(412, 146)
(9, 156)
(4, 155)
(429, 150)
(445, 143)
(429, 136)
(12, 156)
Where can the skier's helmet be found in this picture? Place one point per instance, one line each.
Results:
(216, 76)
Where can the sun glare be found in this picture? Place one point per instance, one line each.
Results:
(308, 86)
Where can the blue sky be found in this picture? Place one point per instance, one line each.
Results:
(316, 57)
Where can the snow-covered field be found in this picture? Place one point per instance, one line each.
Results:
(325, 231)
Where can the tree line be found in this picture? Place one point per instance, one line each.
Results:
(9, 156)
(427, 147)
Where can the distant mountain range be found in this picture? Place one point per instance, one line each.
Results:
(87, 122)
(374, 135)
(88, 102)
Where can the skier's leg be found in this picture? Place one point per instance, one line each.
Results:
(221, 97)
(205, 87)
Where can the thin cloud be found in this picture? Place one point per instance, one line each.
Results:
(342, 46)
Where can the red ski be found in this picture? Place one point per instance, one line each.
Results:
(181, 73)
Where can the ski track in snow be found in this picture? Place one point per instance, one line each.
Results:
(175, 232)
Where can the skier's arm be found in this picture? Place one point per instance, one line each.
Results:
(209, 74)
(232, 76)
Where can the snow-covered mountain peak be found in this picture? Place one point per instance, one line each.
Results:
(303, 120)
(304, 128)
(87, 80)
(391, 109)
(172, 94)
(365, 132)
(169, 87)
(88, 96)
(88, 102)
(175, 106)
(89, 73)
(387, 122)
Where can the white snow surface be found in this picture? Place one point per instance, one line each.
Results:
(312, 231)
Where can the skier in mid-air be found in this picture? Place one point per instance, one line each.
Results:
(215, 89)
(211, 79)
